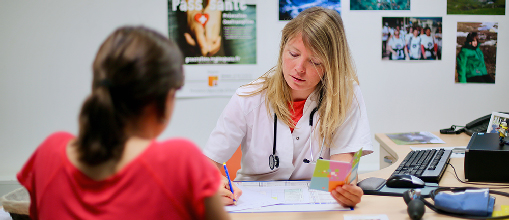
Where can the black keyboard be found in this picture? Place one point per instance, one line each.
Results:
(428, 165)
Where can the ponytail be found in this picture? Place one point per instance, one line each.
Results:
(134, 67)
(101, 135)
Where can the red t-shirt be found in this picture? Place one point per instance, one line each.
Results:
(169, 180)
(298, 107)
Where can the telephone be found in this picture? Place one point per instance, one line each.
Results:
(477, 125)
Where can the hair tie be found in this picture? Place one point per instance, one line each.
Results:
(106, 83)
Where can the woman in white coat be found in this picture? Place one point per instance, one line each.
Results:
(308, 106)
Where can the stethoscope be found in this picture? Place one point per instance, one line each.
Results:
(274, 160)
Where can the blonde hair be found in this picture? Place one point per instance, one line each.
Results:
(323, 34)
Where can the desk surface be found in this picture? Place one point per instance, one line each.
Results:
(393, 207)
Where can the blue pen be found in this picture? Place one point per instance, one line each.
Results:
(229, 181)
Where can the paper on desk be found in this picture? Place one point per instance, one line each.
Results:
(457, 152)
(290, 192)
(366, 217)
(291, 196)
(422, 137)
(298, 208)
(251, 200)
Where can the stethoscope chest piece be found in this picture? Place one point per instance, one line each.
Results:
(273, 161)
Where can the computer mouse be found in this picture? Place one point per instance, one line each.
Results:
(404, 181)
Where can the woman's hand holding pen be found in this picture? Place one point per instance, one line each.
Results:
(347, 195)
(226, 194)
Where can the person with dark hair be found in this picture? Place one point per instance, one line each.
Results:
(396, 46)
(428, 45)
(114, 168)
(409, 34)
(470, 62)
(414, 45)
(308, 106)
(385, 37)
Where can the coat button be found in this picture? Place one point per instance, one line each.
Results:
(297, 138)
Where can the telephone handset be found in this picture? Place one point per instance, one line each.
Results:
(478, 125)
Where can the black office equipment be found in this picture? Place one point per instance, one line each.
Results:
(485, 159)
(377, 186)
(428, 165)
(415, 206)
(479, 125)
(404, 181)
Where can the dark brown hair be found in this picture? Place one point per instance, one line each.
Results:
(134, 67)
(472, 36)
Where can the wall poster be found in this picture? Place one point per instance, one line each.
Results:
(213, 35)
(476, 7)
(411, 38)
(476, 52)
(289, 9)
(379, 4)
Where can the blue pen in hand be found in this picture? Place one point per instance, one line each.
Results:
(229, 182)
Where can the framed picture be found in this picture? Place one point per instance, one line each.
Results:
(495, 120)
(289, 9)
(411, 38)
(476, 52)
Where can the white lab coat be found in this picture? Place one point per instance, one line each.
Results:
(245, 122)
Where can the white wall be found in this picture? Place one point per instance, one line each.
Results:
(47, 47)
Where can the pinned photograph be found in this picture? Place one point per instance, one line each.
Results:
(379, 4)
(476, 7)
(476, 52)
(498, 121)
(289, 9)
(412, 38)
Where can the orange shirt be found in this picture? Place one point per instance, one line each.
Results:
(297, 111)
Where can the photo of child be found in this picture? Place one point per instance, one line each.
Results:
(476, 52)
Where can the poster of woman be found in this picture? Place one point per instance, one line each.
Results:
(214, 32)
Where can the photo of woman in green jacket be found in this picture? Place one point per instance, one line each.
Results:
(470, 62)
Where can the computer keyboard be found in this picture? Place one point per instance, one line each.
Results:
(429, 165)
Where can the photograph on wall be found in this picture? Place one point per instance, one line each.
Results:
(411, 38)
(476, 7)
(379, 4)
(498, 123)
(289, 9)
(476, 52)
(214, 32)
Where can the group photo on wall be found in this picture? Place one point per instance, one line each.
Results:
(411, 38)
